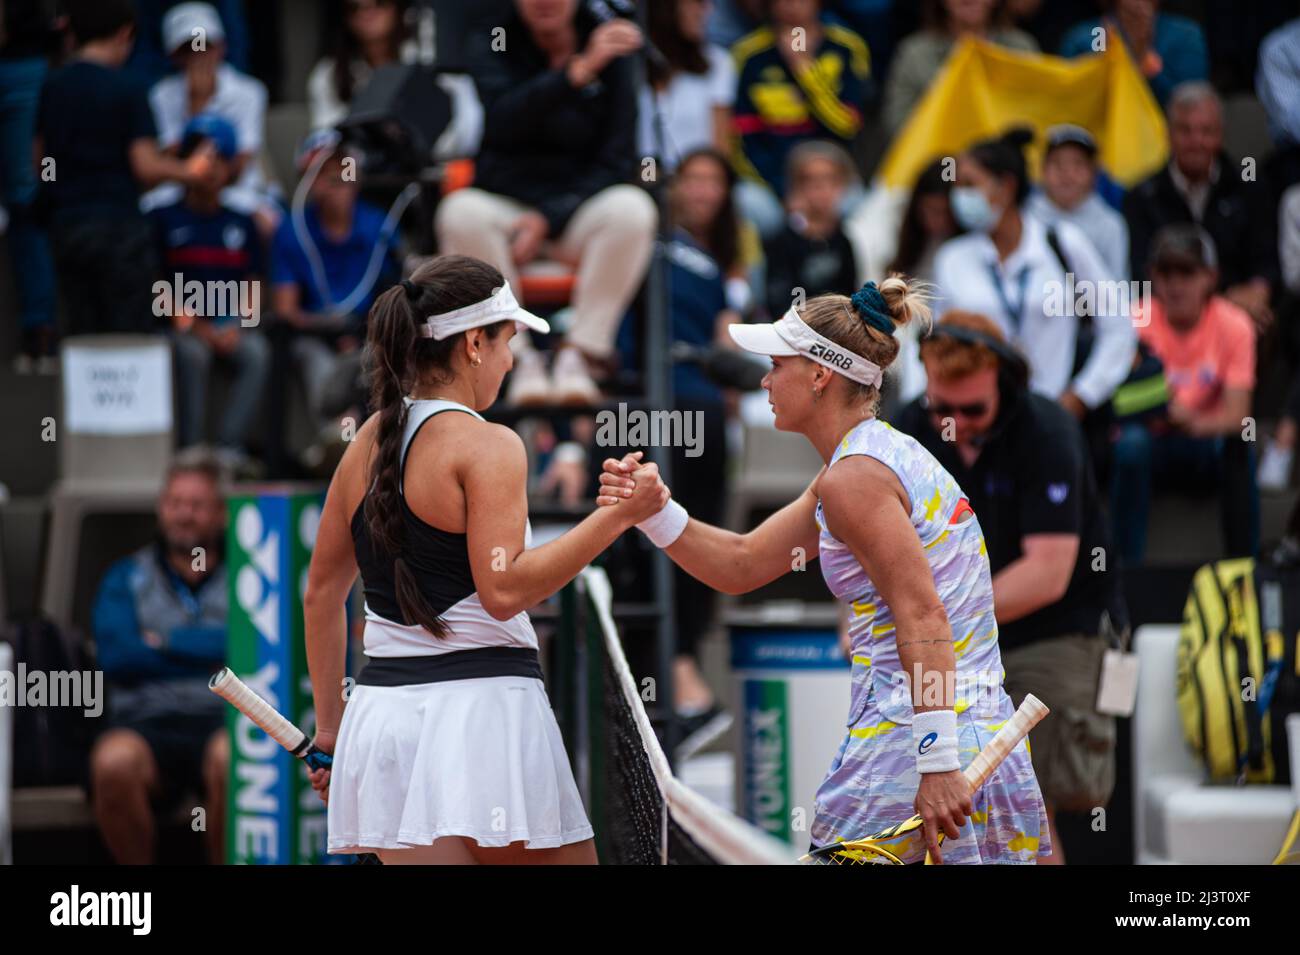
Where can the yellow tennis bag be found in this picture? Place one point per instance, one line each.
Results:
(1237, 668)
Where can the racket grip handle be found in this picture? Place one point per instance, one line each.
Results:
(318, 759)
(1026, 717)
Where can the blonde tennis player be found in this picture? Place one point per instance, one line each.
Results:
(447, 750)
(900, 545)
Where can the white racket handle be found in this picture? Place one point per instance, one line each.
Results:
(235, 691)
(1026, 717)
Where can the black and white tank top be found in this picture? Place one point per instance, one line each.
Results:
(440, 562)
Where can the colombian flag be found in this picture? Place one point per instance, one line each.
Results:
(984, 89)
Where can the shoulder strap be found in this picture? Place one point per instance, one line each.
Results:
(1054, 241)
(417, 416)
(1084, 332)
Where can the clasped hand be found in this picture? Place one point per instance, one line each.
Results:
(630, 484)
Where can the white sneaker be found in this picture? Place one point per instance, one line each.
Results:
(1274, 468)
(572, 383)
(528, 382)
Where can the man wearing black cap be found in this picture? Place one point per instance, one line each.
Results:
(1021, 460)
(1207, 347)
(1069, 194)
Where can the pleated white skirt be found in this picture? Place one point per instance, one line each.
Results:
(481, 758)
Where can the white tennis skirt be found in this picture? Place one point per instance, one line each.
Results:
(481, 758)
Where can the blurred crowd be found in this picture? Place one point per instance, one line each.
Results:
(133, 149)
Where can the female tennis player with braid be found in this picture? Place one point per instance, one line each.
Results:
(900, 545)
(447, 750)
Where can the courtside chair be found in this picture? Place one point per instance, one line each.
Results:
(115, 437)
(1179, 818)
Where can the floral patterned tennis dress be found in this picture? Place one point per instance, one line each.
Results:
(873, 781)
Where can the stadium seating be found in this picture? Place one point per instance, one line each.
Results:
(1179, 818)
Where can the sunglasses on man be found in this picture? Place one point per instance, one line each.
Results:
(944, 409)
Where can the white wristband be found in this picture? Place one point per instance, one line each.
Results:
(666, 526)
(934, 741)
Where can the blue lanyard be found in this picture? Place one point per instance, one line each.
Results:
(1013, 310)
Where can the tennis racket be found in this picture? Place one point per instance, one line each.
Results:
(237, 693)
(904, 843)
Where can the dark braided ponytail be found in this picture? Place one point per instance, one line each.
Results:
(398, 359)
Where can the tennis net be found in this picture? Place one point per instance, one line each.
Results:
(644, 815)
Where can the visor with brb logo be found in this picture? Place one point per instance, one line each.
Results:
(792, 336)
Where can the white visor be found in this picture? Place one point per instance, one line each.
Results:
(499, 306)
(792, 336)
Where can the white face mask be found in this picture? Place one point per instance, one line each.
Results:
(972, 210)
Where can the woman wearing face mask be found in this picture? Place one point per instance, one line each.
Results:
(1039, 283)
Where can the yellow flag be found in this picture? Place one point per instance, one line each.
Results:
(983, 89)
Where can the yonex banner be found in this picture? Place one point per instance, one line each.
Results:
(274, 816)
(793, 687)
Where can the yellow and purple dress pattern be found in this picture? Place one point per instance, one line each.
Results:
(872, 781)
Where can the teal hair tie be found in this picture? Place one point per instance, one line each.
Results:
(872, 308)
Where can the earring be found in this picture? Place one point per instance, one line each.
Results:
(817, 393)
(477, 361)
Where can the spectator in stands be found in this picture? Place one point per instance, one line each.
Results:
(1277, 82)
(203, 240)
(159, 622)
(1168, 49)
(150, 61)
(552, 181)
(1201, 184)
(378, 33)
(927, 223)
(1207, 346)
(921, 55)
(1069, 194)
(1279, 453)
(194, 37)
(327, 271)
(1023, 463)
(800, 77)
(811, 255)
(27, 38)
(1012, 268)
(96, 130)
(693, 90)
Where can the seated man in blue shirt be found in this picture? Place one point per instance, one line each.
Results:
(159, 622)
(325, 277)
(203, 241)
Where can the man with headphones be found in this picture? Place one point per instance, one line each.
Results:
(1022, 461)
